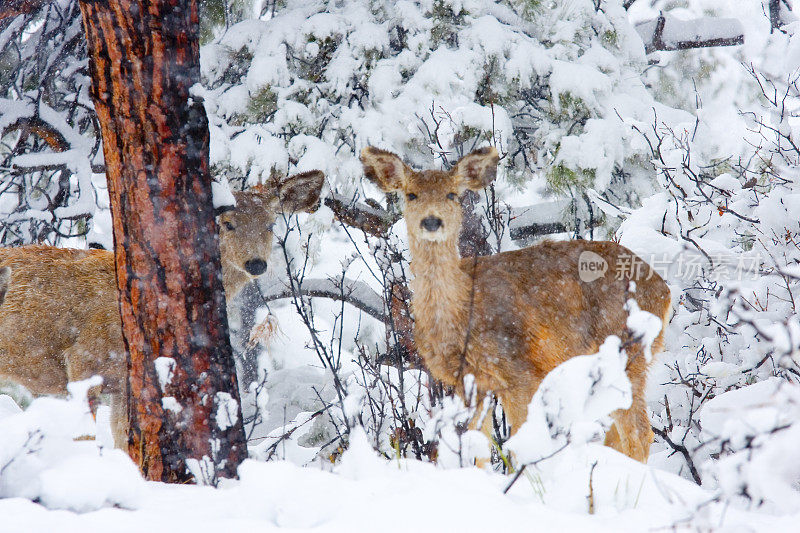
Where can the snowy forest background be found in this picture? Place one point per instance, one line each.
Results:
(690, 158)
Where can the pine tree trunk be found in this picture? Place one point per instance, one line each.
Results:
(144, 58)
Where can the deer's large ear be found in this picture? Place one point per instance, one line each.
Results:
(477, 169)
(5, 279)
(300, 192)
(384, 169)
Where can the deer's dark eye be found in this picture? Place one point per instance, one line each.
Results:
(451, 196)
(228, 226)
(411, 196)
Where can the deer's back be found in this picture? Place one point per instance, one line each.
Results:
(533, 311)
(61, 309)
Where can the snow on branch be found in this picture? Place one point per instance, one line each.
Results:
(37, 126)
(667, 33)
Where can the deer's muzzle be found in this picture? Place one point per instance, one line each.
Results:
(431, 223)
(256, 267)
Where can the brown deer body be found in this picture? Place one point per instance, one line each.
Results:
(60, 322)
(509, 319)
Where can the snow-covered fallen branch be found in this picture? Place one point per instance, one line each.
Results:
(549, 217)
(667, 33)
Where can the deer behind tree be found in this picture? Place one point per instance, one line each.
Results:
(60, 321)
(510, 318)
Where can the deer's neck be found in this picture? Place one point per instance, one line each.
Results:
(441, 300)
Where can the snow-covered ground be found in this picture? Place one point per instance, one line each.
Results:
(49, 481)
(367, 493)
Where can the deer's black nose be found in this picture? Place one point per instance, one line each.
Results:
(255, 267)
(431, 223)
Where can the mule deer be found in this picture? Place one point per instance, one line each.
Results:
(509, 319)
(60, 319)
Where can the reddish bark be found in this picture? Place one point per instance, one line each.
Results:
(144, 58)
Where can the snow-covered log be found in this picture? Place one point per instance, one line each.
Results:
(550, 217)
(667, 33)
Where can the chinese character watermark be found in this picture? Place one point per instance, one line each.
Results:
(685, 265)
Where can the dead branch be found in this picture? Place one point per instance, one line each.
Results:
(370, 219)
(590, 497)
(683, 450)
(356, 293)
(43, 130)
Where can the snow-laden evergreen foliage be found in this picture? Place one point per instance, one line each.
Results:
(47, 128)
(548, 83)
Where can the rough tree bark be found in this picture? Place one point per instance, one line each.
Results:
(144, 58)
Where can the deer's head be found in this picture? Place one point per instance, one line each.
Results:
(433, 210)
(245, 231)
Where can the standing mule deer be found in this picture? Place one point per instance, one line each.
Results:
(509, 319)
(60, 320)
